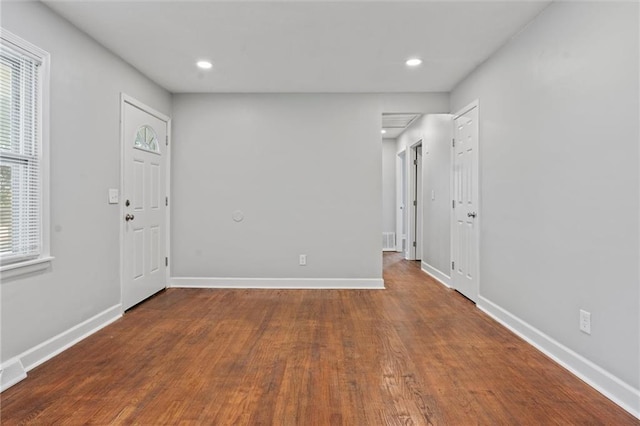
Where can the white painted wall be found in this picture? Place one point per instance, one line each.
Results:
(86, 81)
(388, 185)
(559, 181)
(435, 131)
(423, 103)
(411, 134)
(409, 137)
(436, 196)
(305, 171)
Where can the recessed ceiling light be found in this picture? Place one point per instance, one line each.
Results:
(413, 62)
(383, 131)
(205, 65)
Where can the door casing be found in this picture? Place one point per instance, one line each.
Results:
(414, 214)
(401, 193)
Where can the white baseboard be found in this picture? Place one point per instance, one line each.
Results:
(11, 373)
(436, 274)
(601, 380)
(15, 369)
(279, 283)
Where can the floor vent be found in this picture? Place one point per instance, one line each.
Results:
(388, 241)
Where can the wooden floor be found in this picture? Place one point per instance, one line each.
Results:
(416, 353)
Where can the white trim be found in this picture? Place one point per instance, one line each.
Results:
(412, 195)
(11, 372)
(167, 277)
(22, 268)
(142, 106)
(401, 209)
(436, 274)
(466, 109)
(16, 368)
(279, 283)
(23, 45)
(595, 376)
(126, 99)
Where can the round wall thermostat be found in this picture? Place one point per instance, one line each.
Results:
(237, 216)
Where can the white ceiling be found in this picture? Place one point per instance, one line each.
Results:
(301, 46)
(394, 124)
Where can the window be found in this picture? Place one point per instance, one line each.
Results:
(23, 207)
(146, 140)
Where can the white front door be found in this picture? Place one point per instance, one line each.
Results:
(143, 195)
(465, 188)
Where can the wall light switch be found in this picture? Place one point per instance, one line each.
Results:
(113, 196)
(303, 260)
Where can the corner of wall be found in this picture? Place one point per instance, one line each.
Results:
(15, 369)
(11, 372)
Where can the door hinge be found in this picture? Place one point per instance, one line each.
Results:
(453, 143)
(166, 201)
(166, 140)
(453, 265)
(453, 204)
(414, 243)
(415, 203)
(415, 162)
(166, 261)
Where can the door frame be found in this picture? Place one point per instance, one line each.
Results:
(401, 192)
(413, 215)
(478, 219)
(126, 99)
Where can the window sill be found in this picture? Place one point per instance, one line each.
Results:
(27, 267)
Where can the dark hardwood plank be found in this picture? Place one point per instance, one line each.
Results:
(414, 354)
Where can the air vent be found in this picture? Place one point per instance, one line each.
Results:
(397, 121)
(388, 241)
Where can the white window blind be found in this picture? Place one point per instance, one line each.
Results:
(20, 180)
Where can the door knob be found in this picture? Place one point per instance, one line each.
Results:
(471, 214)
(129, 217)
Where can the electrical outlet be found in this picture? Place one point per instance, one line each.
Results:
(585, 321)
(303, 260)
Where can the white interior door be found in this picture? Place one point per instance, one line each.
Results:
(465, 188)
(144, 210)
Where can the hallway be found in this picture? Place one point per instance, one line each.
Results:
(415, 353)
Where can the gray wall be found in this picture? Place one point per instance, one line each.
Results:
(304, 169)
(86, 81)
(436, 174)
(389, 185)
(559, 184)
(435, 131)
